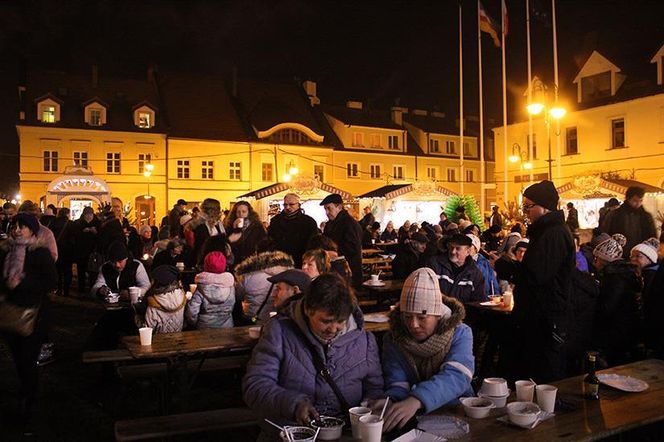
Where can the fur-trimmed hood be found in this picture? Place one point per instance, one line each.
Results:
(37, 243)
(397, 327)
(264, 261)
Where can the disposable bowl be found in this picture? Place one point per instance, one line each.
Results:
(523, 414)
(477, 407)
(300, 434)
(330, 427)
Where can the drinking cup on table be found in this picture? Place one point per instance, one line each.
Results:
(371, 428)
(546, 397)
(525, 391)
(180, 266)
(355, 414)
(192, 288)
(374, 279)
(507, 299)
(145, 334)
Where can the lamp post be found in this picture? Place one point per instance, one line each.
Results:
(520, 156)
(147, 173)
(542, 105)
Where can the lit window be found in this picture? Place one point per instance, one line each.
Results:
(267, 171)
(617, 133)
(183, 169)
(81, 159)
(352, 170)
(207, 172)
(50, 161)
(434, 146)
(397, 172)
(143, 159)
(144, 120)
(319, 172)
(393, 141)
(358, 139)
(450, 147)
(290, 136)
(113, 162)
(95, 117)
(451, 175)
(48, 114)
(235, 170)
(375, 171)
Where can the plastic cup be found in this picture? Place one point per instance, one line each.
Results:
(179, 265)
(525, 390)
(240, 223)
(507, 299)
(145, 333)
(546, 397)
(135, 294)
(355, 414)
(374, 279)
(371, 428)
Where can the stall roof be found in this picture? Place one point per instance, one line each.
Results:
(273, 189)
(617, 186)
(394, 190)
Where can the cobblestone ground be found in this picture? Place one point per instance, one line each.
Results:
(81, 402)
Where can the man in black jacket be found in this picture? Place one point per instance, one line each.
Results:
(631, 220)
(410, 256)
(291, 229)
(459, 276)
(346, 233)
(543, 287)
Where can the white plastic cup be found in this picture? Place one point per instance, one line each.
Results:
(145, 333)
(179, 265)
(546, 397)
(371, 428)
(240, 223)
(507, 299)
(374, 279)
(135, 294)
(192, 288)
(355, 414)
(525, 391)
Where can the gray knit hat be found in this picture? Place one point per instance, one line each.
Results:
(421, 294)
(611, 249)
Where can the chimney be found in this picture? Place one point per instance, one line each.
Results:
(95, 75)
(396, 113)
(354, 105)
(310, 89)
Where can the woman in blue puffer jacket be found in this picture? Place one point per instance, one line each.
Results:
(282, 382)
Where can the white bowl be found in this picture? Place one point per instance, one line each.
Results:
(523, 414)
(330, 427)
(301, 434)
(498, 401)
(477, 407)
(494, 387)
(255, 332)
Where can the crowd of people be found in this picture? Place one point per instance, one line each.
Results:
(301, 283)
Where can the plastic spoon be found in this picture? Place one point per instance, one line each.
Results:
(384, 408)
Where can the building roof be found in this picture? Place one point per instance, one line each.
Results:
(624, 184)
(74, 91)
(437, 125)
(362, 117)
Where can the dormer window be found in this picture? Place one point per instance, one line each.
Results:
(596, 86)
(144, 117)
(48, 111)
(95, 114)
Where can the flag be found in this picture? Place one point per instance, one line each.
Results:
(505, 20)
(488, 25)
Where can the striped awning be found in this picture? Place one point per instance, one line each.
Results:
(394, 190)
(273, 189)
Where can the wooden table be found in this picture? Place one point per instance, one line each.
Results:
(390, 290)
(371, 251)
(377, 327)
(616, 412)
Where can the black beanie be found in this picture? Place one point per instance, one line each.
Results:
(117, 251)
(28, 220)
(543, 194)
(164, 275)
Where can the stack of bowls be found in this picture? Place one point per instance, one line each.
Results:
(496, 390)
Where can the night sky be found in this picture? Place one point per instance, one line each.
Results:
(366, 50)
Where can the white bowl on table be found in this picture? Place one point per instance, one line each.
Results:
(302, 434)
(477, 407)
(498, 401)
(330, 427)
(523, 414)
(494, 387)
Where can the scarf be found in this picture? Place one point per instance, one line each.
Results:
(292, 215)
(426, 358)
(13, 271)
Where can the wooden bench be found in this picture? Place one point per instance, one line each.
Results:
(117, 355)
(133, 372)
(186, 423)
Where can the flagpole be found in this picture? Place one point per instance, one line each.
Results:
(479, 58)
(505, 189)
(462, 178)
(555, 88)
(530, 91)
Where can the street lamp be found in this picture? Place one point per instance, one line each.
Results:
(541, 105)
(520, 156)
(147, 173)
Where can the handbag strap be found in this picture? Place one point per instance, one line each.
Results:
(319, 365)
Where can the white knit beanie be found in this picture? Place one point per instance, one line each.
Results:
(476, 241)
(648, 248)
(611, 249)
(421, 294)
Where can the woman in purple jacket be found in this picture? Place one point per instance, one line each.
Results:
(282, 382)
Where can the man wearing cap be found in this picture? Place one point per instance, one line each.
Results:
(368, 219)
(289, 283)
(631, 220)
(119, 273)
(543, 286)
(410, 256)
(459, 276)
(346, 233)
(291, 229)
(179, 209)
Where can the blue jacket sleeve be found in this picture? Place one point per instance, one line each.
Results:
(261, 389)
(450, 383)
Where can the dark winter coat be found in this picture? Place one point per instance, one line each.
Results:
(617, 320)
(291, 234)
(388, 236)
(584, 307)
(637, 225)
(281, 371)
(465, 283)
(84, 238)
(406, 261)
(653, 306)
(41, 275)
(64, 233)
(246, 246)
(347, 234)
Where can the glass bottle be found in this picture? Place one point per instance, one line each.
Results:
(591, 382)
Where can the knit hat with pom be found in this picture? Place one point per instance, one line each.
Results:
(611, 249)
(648, 248)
